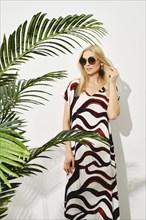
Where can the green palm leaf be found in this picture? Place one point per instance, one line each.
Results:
(18, 96)
(13, 153)
(70, 135)
(17, 154)
(5, 197)
(47, 37)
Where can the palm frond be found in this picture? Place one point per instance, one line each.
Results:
(30, 169)
(15, 124)
(48, 77)
(8, 117)
(5, 197)
(84, 137)
(47, 37)
(69, 135)
(7, 77)
(18, 96)
(13, 153)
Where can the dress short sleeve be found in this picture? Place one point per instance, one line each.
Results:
(70, 91)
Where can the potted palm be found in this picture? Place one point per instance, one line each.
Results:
(43, 37)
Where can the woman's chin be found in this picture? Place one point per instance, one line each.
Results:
(91, 73)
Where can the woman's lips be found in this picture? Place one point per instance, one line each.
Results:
(88, 69)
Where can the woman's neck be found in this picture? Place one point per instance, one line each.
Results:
(93, 79)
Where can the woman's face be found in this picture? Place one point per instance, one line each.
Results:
(92, 67)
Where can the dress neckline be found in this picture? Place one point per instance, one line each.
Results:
(98, 91)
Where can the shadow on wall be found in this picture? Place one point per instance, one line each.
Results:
(122, 125)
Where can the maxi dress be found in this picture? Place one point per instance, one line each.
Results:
(91, 190)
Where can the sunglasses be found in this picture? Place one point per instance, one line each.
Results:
(91, 60)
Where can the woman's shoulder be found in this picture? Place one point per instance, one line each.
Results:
(74, 83)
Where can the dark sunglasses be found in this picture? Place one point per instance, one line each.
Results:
(91, 60)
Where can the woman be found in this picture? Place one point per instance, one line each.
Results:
(91, 101)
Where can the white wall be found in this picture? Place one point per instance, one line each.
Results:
(125, 47)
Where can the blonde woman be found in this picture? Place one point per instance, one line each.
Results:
(91, 102)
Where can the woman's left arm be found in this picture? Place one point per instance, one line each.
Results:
(113, 109)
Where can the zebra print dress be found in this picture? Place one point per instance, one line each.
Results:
(91, 190)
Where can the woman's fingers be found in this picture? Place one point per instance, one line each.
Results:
(114, 71)
(113, 74)
(69, 163)
(68, 167)
(73, 163)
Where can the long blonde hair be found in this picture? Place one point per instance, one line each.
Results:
(105, 65)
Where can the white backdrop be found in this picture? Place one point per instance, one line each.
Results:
(41, 197)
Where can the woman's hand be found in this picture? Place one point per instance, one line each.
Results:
(113, 74)
(69, 162)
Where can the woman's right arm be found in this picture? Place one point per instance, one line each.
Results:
(69, 158)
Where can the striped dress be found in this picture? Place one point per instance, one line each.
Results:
(91, 190)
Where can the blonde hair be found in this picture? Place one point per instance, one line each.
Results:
(105, 65)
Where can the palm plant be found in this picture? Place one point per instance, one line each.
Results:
(46, 38)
